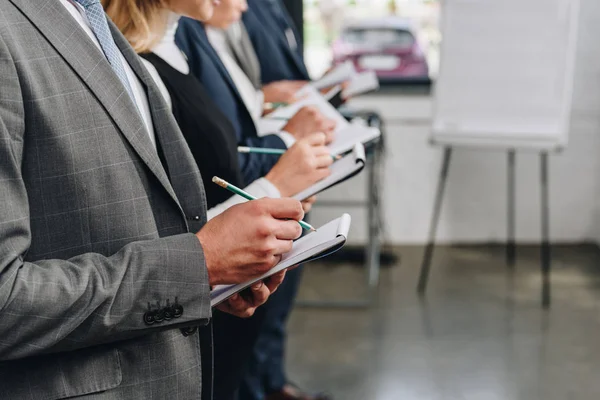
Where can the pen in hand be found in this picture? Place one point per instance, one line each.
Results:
(234, 189)
(262, 150)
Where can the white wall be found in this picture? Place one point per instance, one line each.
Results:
(475, 203)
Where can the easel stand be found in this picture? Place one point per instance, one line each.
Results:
(510, 243)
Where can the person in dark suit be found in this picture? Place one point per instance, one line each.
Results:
(225, 77)
(213, 144)
(278, 47)
(106, 258)
(276, 41)
(207, 66)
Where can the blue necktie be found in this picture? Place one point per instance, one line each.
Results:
(99, 25)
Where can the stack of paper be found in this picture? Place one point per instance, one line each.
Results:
(326, 240)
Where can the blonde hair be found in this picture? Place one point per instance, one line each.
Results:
(142, 22)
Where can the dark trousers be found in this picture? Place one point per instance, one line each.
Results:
(266, 372)
(233, 340)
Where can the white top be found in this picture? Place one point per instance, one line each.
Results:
(170, 53)
(259, 188)
(168, 50)
(253, 99)
(139, 94)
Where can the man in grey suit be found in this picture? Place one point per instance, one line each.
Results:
(106, 259)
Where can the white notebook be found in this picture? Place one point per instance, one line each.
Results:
(308, 96)
(362, 83)
(325, 241)
(341, 73)
(341, 170)
(351, 135)
(347, 134)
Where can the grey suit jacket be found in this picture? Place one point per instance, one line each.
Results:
(98, 270)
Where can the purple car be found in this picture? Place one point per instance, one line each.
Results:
(384, 45)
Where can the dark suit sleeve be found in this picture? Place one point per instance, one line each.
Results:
(54, 305)
(255, 166)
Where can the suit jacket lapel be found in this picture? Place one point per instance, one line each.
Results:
(212, 53)
(185, 177)
(73, 44)
(158, 108)
(244, 52)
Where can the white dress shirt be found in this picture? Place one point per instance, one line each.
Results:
(172, 55)
(140, 98)
(253, 99)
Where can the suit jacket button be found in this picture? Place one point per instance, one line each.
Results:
(168, 313)
(159, 316)
(177, 310)
(149, 318)
(189, 331)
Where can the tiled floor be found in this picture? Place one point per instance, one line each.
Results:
(479, 334)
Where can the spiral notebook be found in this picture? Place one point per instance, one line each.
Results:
(341, 170)
(324, 241)
(347, 134)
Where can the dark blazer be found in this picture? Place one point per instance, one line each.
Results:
(267, 23)
(206, 65)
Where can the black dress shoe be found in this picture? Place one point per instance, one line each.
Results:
(291, 392)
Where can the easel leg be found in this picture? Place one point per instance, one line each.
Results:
(545, 217)
(510, 211)
(426, 266)
(374, 218)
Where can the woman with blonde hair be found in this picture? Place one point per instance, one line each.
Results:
(150, 27)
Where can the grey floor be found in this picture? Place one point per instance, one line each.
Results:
(480, 333)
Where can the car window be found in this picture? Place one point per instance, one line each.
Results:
(379, 36)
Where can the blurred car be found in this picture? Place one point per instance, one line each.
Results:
(387, 46)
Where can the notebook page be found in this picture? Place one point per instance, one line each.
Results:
(362, 83)
(346, 134)
(354, 133)
(337, 75)
(331, 236)
(308, 96)
(341, 170)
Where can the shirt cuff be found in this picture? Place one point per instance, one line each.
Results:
(259, 188)
(288, 138)
(260, 97)
(263, 188)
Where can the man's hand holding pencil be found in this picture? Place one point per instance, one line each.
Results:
(246, 241)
